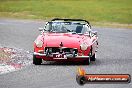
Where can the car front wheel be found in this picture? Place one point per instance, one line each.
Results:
(36, 61)
(93, 58)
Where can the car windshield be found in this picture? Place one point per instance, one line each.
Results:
(65, 27)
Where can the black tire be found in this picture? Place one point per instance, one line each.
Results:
(36, 61)
(93, 58)
(87, 62)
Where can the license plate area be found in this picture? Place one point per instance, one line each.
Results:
(59, 56)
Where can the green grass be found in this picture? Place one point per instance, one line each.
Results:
(117, 11)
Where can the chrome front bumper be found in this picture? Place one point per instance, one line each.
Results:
(67, 55)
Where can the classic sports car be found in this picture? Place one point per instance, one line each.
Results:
(66, 40)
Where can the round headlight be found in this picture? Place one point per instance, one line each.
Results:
(39, 43)
(84, 46)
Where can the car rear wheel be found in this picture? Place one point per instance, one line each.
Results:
(36, 61)
(93, 58)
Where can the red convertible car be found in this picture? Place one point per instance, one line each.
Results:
(66, 40)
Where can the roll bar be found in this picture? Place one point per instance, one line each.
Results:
(65, 19)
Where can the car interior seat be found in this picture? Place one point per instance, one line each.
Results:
(79, 29)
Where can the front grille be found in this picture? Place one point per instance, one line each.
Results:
(61, 49)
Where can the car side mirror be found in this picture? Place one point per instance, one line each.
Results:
(41, 29)
(94, 32)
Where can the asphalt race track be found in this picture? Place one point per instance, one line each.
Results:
(114, 56)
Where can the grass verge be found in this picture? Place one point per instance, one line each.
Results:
(96, 11)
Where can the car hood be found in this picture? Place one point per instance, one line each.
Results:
(68, 40)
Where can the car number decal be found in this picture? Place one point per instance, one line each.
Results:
(59, 56)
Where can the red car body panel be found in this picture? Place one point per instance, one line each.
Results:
(69, 40)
